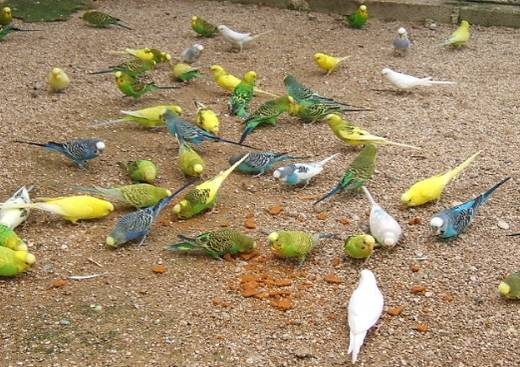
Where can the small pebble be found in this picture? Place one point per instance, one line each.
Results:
(64, 322)
(502, 224)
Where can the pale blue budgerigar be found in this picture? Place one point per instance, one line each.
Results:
(260, 162)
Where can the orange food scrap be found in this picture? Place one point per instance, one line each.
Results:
(261, 295)
(59, 283)
(250, 223)
(282, 304)
(282, 282)
(395, 311)
(323, 216)
(416, 289)
(336, 262)
(250, 284)
(227, 257)
(448, 298)
(304, 286)
(247, 278)
(333, 278)
(249, 255)
(345, 221)
(249, 292)
(275, 210)
(159, 268)
(422, 327)
(279, 292)
(415, 221)
(415, 268)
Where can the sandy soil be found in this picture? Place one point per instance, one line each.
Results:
(194, 314)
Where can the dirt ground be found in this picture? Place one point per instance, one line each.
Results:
(195, 313)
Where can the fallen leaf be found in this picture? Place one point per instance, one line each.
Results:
(251, 284)
(415, 221)
(250, 223)
(159, 268)
(422, 327)
(322, 216)
(249, 292)
(304, 286)
(275, 210)
(415, 268)
(261, 295)
(395, 311)
(58, 283)
(336, 262)
(281, 282)
(345, 221)
(418, 289)
(279, 292)
(282, 304)
(248, 278)
(333, 278)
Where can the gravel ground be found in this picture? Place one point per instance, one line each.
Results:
(195, 313)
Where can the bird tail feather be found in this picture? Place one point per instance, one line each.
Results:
(113, 194)
(332, 192)
(326, 160)
(261, 91)
(486, 195)
(368, 195)
(356, 341)
(450, 175)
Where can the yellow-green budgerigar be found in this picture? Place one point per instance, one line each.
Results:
(430, 189)
(184, 72)
(359, 246)
(229, 82)
(99, 19)
(135, 87)
(242, 95)
(141, 195)
(203, 28)
(58, 80)
(134, 67)
(353, 135)
(294, 244)
(149, 117)
(359, 18)
(460, 36)
(203, 196)
(13, 263)
(71, 208)
(190, 162)
(6, 16)
(146, 54)
(8, 238)
(207, 119)
(510, 286)
(142, 170)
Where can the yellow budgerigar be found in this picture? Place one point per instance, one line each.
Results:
(431, 189)
(460, 36)
(58, 80)
(149, 117)
(229, 82)
(146, 54)
(328, 63)
(71, 208)
(354, 135)
(207, 119)
(6, 16)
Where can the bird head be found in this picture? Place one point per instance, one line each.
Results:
(30, 259)
(120, 77)
(278, 173)
(6, 11)
(222, 28)
(437, 224)
(504, 288)
(100, 145)
(273, 236)
(389, 239)
(194, 19)
(401, 31)
(198, 46)
(406, 198)
(217, 70)
(181, 205)
(465, 24)
(198, 168)
(168, 192)
(363, 9)
(367, 276)
(386, 71)
(56, 72)
(318, 56)
(333, 120)
(369, 241)
(250, 77)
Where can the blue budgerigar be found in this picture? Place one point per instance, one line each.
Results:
(190, 132)
(80, 151)
(301, 173)
(137, 224)
(453, 221)
(259, 162)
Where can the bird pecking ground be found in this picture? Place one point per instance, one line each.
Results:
(154, 308)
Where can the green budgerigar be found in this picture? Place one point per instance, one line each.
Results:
(361, 170)
(142, 170)
(203, 27)
(185, 72)
(190, 162)
(99, 19)
(216, 243)
(9, 239)
(134, 68)
(14, 262)
(135, 87)
(266, 114)
(359, 18)
(140, 195)
(294, 244)
(242, 95)
(510, 286)
(204, 195)
(359, 246)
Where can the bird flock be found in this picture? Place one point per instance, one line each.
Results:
(132, 78)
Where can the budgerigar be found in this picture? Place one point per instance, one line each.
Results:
(364, 309)
(12, 218)
(192, 53)
(203, 27)
(453, 221)
(460, 36)
(359, 246)
(5, 30)
(99, 19)
(58, 80)
(266, 114)
(301, 173)
(401, 42)
(404, 81)
(6, 16)
(149, 117)
(184, 72)
(229, 82)
(257, 163)
(80, 151)
(361, 170)
(353, 135)
(237, 39)
(203, 196)
(146, 54)
(207, 119)
(190, 162)
(328, 63)
(13, 263)
(215, 243)
(141, 195)
(242, 95)
(191, 133)
(359, 18)
(71, 208)
(510, 286)
(430, 189)
(137, 225)
(134, 68)
(136, 87)
(383, 226)
(9, 239)
(142, 170)
(294, 244)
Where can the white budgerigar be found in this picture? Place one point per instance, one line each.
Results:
(301, 173)
(237, 39)
(191, 54)
(13, 217)
(401, 42)
(405, 81)
(383, 227)
(364, 309)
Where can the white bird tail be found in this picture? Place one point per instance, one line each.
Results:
(355, 343)
(112, 193)
(260, 34)
(369, 196)
(428, 81)
(108, 122)
(260, 91)
(323, 162)
(402, 145)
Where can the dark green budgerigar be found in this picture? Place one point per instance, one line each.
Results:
(5, 30)
(134, 68)
(242, 95)
(266, 114)
(99, 19)
(361, 170)
(359, 18)
(203, 27)
(294, 244)
(135, 87)
(216, 243)
(510, 286)
(142, 170)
